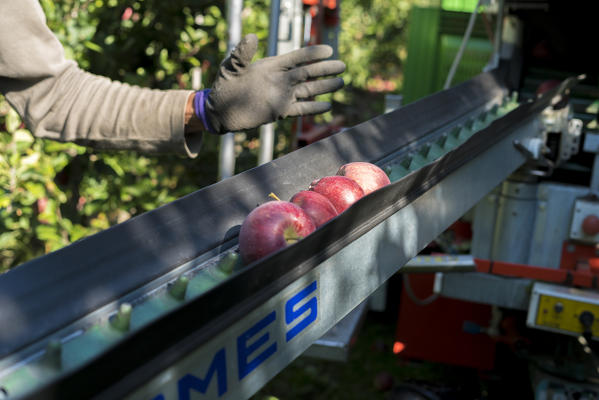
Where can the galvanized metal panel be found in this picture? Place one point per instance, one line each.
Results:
(483, 224)
(515, 221)
(552, 223)
(482, 288)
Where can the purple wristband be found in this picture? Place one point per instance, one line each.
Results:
(199, 102)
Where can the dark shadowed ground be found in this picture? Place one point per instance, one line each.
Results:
(371, 357)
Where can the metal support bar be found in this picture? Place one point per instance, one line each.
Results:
(226, 167)
(458, 57)
(494, 61)
(591, 145)
(267, 131)
(450, 263)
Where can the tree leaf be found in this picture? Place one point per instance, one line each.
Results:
(22, 135)
(93, 47)
(114, 164)
(12, 121)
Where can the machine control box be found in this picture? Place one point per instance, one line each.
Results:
(564, 309)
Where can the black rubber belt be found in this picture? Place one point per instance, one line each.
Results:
(175, 334)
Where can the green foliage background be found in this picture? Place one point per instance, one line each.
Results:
(52, 194)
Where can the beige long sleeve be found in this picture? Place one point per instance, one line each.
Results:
(59, 101)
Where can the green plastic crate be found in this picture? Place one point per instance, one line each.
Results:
(475, 57)
(434, 37)
(459, 5)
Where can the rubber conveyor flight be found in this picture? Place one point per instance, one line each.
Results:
(145, 309)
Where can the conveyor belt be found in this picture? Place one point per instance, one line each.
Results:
(130, 260)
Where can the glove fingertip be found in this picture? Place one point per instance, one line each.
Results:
(246, 49)
(318, 52)
(309, 108)
(326, 51)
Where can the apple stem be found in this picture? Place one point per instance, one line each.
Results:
(274, 196)
(291, 236)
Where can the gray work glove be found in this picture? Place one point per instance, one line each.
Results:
(246, 95)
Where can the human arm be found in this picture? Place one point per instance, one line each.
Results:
(59, 101)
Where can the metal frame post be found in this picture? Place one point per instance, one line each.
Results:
(267, 131)
(226, 166)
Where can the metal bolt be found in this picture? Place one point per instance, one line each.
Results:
(122, 320)
(179, 288)
(53, 356)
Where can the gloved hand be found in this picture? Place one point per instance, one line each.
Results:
(246, 95)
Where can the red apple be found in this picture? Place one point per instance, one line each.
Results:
(271, 227)
(340, 190)
(369, 176)
(318, 207)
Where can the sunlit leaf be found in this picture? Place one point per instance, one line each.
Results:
(22, 135)
(79, 231)
(12, 121)
(36, 189)
(114, 164)
(30, 160)
(92, 46)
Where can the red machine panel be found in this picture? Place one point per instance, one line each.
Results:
(437, 332)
